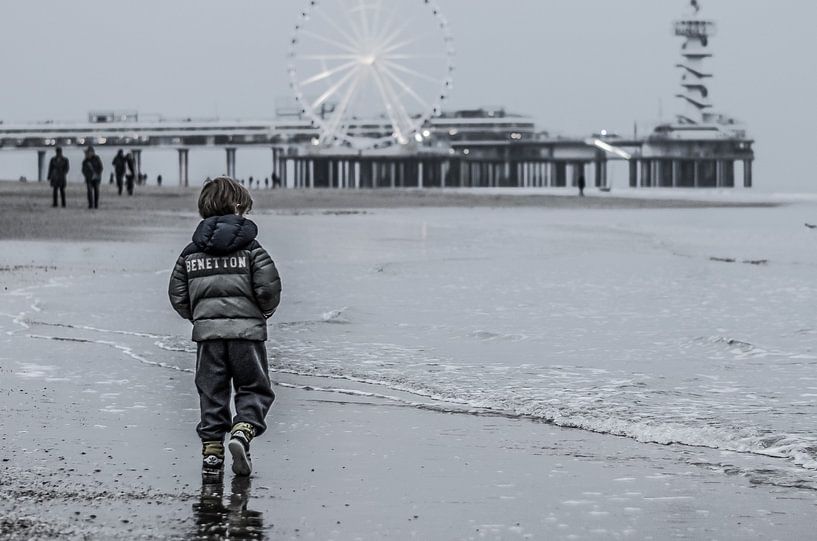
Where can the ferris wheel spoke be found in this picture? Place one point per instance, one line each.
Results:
(348, 48)
(378, 12)
(388, 26)
(324, 57)
(333, 89)
(350, 39)
(329, 72)
(340, 113)
(402, 44)
(406, 88)
(400, 107)
(363, 7)
(408, 56)
(356, 30)
(391, 35)
(390, 104)
(409, 71)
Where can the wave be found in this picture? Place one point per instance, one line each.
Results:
(594, 400)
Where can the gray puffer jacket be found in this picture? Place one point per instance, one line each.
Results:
(225, 282)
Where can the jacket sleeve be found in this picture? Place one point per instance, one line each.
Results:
(178, 292)
(266, 283)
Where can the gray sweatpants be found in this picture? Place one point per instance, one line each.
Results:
(244, 363)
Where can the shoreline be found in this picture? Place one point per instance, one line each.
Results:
(26, 212)
(97, 386)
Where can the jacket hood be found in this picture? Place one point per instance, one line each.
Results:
(221, 235)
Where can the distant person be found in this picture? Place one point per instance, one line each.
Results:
(276, 181)
(159, 180)
(110, 179)
(258, 183)
(266, 183)
(119, 168)
(130, 175)
(228, 286)
(58, 175)
(92, 171)
(250, 184)
(582, 185)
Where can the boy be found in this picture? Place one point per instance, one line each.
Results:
(228, 286)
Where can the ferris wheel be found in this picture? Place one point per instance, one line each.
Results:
(359, 66)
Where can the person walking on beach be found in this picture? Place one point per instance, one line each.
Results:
(582, 185)
(58, 168)
(228, 286)
(119, 168)
(130, 175)
(92, 171)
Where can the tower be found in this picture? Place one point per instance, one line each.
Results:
(695, 52)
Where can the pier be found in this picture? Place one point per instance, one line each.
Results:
(487, 147)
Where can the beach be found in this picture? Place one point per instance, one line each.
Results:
(448, 365)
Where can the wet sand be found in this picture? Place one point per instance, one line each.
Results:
(97, 441)
(26, 213)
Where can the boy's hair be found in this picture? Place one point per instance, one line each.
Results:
(222, 196)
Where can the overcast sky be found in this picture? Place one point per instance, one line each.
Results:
(576, 66)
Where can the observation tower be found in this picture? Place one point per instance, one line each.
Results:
(696, 51)
(699, 148)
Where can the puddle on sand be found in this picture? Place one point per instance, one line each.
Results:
(217, 515)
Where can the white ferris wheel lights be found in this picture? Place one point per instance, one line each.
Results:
(353, 61)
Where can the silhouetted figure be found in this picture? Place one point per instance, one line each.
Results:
(130, 175)
(250, 184)
(92, 171)
(110, 179)
(276, 181)
(119, 168)
(58, 175)
(266, 183)
(582, 185)
(159, 180)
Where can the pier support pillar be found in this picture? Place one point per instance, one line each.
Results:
(230, 162)
(676, 174)
(696, 168)
(183, 162)
(601, 174)
(598, 179)
(274, 160)
(747, 173)
(40, 165)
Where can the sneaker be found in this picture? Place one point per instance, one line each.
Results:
(212, 461)
(239, 446)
